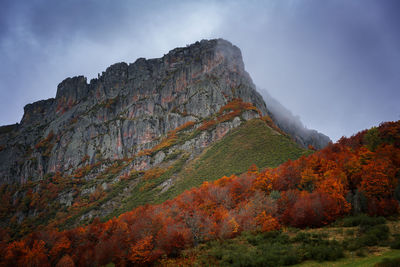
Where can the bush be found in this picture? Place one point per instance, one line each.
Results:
(350, 232)
(267, 237)
(291, 257)
(370, 236)
(277, 254)
(379, 231)
(307, 238)
(229, 253)
(272, 248)
(352, 244)
(235, 256)
(173, 155)
(323, 250)
(363, 220)
(368, 240)
(302, 237)
(395, 244)
(266, 249)
(361, 253)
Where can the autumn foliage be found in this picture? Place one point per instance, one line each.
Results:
(357, 174)
(235, 107)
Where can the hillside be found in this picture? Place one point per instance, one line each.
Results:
(357, 174)
(140, 133)
(254, 142)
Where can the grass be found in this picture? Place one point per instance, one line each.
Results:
(274, 248)
(147, 192)
(325, 246)
(252, 142)
(354, 261)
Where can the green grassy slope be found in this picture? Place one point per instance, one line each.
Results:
(354, 261)
(253, 142)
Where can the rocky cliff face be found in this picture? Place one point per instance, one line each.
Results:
(127, 109)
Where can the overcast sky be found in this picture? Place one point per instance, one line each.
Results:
(336, 64)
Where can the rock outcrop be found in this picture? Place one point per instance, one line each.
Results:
(139, 133)
(125, 110)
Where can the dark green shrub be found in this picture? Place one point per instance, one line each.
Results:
(324, 251)
(350, 232)
(291, 257)
(265, 249)
(373, 235)
(361, 253)
(372, 139)
(395, 244)
(352, 244)
(363, 220)
(302, 237)
(277, 255)
(368, 240)
(379, 231)
(272, 249)
(397, 192)
(268, 237)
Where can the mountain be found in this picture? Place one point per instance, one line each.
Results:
(125, 110)
(166, 154)
(140, 133)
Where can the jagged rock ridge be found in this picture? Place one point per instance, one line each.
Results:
(126, 110)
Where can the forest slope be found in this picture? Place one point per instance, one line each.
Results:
(357, 174)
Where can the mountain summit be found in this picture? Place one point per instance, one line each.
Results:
(125, 110)
(139, 133)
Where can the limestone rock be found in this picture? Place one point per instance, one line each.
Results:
(127, 109)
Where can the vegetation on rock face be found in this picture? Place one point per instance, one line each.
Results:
(312, 191)
(95, 189)
(45, 145)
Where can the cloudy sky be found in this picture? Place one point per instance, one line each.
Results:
(336, 64)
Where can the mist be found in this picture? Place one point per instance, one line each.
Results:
(292, 124)
(334, 63)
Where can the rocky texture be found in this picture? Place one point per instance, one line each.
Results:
(137, 135)
(128, 108)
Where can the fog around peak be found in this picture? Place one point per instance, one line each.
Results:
(292, 124)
